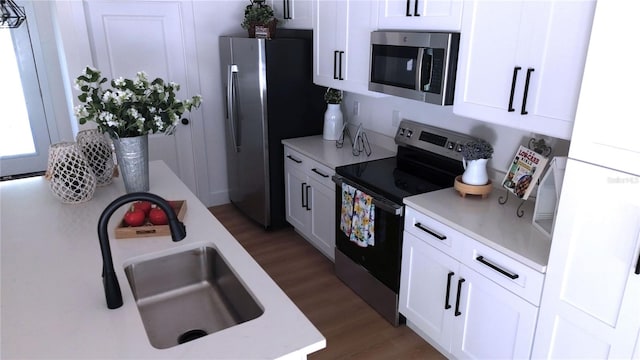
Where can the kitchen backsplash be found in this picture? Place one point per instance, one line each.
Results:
(380, 116)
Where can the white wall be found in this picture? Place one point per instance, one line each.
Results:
(377, 114)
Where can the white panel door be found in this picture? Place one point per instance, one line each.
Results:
(293, 14)
(516, 67)
(492, 323)
(420, 14)
(606, 129)
(322, 231)
(428, 289)
(295, 183)
(591, 297)
(133, 36)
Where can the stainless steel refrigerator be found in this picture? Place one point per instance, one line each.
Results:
(270, 96)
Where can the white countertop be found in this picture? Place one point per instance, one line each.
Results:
(488, 222)
(52, 299)
(326, 152)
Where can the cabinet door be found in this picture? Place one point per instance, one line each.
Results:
(604, 133)
(554, 86)
(515, 68)
(492, 323)
(342, 36)
(293, 14)
(330, 42)
(487, 60)
(590, 300)
(296, 197)
(420, 14)
(428, 285)
(322, 226)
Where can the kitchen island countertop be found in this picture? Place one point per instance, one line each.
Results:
(52, 299)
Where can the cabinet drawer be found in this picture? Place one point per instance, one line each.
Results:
(295, 159)
(434, 233)
(503, 270)
(321, 173)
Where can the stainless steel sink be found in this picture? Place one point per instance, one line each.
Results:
(188, 295)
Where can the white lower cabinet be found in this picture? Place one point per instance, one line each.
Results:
(459, 310)
(310, 200)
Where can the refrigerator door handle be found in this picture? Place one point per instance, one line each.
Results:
(232, 71)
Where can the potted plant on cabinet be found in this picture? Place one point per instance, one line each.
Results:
(475, 155)
(333, 123)
(259, 20)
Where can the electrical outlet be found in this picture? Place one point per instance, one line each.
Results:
(395, 118)
(356, 108)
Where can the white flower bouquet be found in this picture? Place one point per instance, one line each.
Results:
(130, 107)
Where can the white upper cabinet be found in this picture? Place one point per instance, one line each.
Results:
(293, 14)
(606, 130)
(521, 63)
(342, 34)
(426, 15)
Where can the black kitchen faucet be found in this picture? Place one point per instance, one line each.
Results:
(109, 279)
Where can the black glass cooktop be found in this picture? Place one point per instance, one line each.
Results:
(410, 173)
(384, 178)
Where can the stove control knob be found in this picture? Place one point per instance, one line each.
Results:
(409, 133)
(401, 131)
(451, 145)
(459, 148)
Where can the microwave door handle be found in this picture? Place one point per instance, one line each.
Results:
(419, 68)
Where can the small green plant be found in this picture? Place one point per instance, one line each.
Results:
(257, 13)
(474, 150)
(333, 96)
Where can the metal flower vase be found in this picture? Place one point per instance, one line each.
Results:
(132, 154)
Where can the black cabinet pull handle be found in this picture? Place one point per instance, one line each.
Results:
(446, 297)
(415, 8)
(319, 173)
(294, 159)
(408, 7)
(637, 272)
(340, 66)
(286, 9)
(307, 193)
(513, 88)
(430, 232)
(457, 312)
(302, 195)
(526, 92)
(335, 64)
(497, 268)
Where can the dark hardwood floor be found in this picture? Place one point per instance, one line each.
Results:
(353, 330)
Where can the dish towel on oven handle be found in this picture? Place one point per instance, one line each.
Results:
(357, 216)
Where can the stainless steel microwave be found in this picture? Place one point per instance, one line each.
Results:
(415, 65)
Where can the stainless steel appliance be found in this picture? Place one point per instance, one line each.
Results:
(415, 65)
(428, 159)
(270, 96)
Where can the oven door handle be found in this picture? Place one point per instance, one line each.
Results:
(378, 200)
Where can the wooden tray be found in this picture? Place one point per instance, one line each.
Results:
(124, 231)
(464, 189)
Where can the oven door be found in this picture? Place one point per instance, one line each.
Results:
(382, 260)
